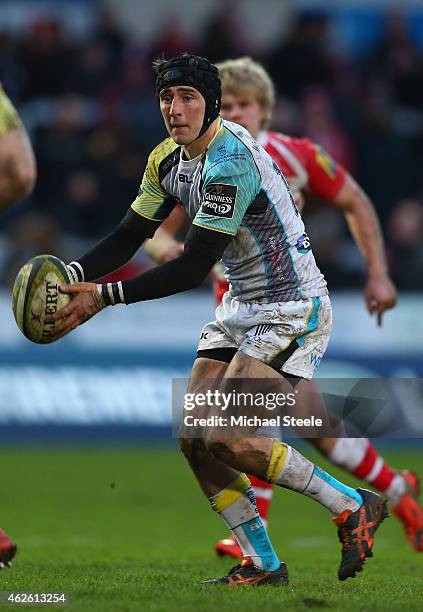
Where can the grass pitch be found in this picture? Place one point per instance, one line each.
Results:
(128, 529)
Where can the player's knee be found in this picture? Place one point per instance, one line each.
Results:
(219, 446)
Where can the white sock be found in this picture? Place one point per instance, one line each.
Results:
(299, 474)
(348, 452)
(396, 489)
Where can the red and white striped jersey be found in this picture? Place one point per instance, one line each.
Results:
(307, 168)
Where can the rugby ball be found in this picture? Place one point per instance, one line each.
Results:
(36, 293)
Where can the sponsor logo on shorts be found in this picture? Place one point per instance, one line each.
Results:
(264, 328)
(219, 200)
(303, 244)
(315, 359)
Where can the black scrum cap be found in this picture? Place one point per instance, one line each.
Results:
(197, 72)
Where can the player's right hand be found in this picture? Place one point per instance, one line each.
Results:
(86, 302)
(380, 295)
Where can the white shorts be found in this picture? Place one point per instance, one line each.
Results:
(290, 336)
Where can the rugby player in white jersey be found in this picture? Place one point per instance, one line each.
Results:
(17, 180)
(242, 212)
(247, 99)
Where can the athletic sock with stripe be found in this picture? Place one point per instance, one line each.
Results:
(237, 506)
(289, 469)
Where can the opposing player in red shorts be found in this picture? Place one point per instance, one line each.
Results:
(248, 99)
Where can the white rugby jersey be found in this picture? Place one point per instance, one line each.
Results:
(235, 188)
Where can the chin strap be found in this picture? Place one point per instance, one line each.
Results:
(201, 133)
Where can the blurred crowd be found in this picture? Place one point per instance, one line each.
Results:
(90, 108)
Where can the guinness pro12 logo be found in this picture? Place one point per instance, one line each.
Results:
(219, 200)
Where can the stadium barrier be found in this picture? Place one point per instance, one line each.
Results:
(116, 371)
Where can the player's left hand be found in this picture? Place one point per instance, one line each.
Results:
(86, 302)
(380, 295)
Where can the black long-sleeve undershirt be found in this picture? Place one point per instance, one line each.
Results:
(202, 249)
(181, 274)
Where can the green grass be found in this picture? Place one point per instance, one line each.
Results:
(127, 529)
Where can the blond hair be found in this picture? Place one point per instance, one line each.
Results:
(244, 75)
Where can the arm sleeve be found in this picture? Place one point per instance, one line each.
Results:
(181, 274)
(325, 176)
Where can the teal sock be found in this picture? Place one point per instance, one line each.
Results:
(237, 506)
